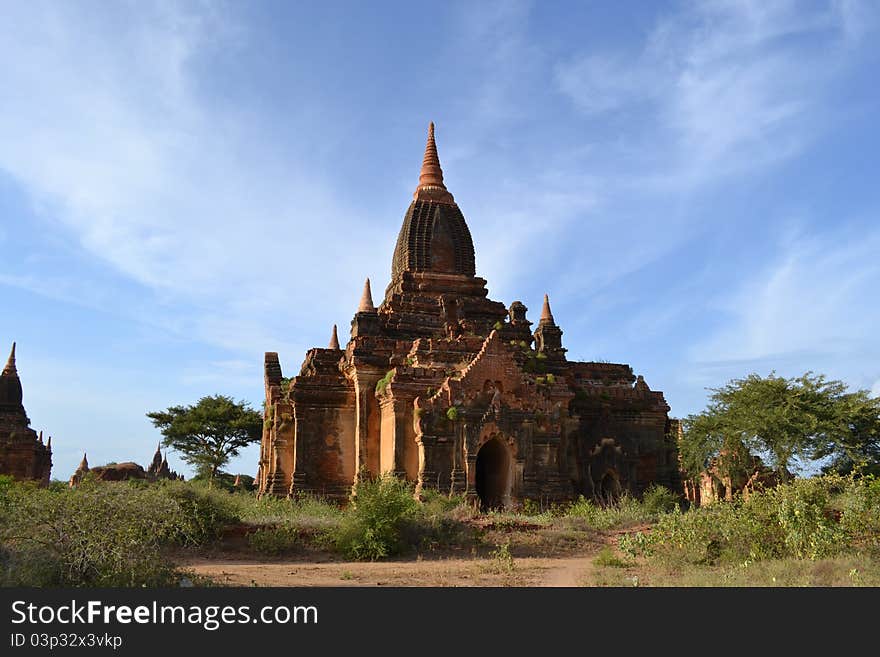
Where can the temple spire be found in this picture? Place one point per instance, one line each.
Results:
(10, 370)
(431, 187)
(334, 340)
(84, 464)
(366, 304)
(546, 315)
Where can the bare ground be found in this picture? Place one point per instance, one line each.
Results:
(536, 558)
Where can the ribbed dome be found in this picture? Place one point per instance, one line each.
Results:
(434, 236)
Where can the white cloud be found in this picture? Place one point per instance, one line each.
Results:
(808, 309)
(600, 83)
(724, 88)
(103, 124)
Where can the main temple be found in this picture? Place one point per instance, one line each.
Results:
(450, 390)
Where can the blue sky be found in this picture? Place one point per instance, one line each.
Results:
(184, 186)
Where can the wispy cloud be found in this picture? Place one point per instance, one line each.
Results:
(105, 125)
(722, 88)
(812, 304)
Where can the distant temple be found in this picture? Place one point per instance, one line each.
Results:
(745, 474)
(451, 390)
(22, 451)
(158, 469)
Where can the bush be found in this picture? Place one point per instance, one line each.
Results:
(607, 559)
(804, 519)
(205, 511)
(859, 508)
(372, 525)
(626, 511)
(94, 535)
(809, 529)
(382, 383)
(659, 499)
(274, 540)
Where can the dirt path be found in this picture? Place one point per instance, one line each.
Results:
(568, 571)
(528, 571)
(577, 570)
(441, 572)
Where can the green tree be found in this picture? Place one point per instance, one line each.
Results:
(209, 433)
(805, 417)
(856, 446)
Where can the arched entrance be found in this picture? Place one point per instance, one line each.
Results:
(609, 488)
(493, 475)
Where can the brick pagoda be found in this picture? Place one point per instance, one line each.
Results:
(454, 391)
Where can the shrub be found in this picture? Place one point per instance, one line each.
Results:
(452, 413)
(804, 519)
(810, 530)
(624, 512)
(382, 383)
(859, 508)
(502, 559)
(371, 527)
(659, 499)
(205, 511)
(274, 540)
(94, 535)
(606, 558)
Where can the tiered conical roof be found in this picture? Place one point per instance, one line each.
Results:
(434, 236)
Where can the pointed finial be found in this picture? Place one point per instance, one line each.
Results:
(431, 185)
(41, 437)
(366, 304)
(49, 443)
(546, 315)
(84, 464)
(334, 340)
(10, 370)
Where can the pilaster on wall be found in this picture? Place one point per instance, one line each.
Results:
(396, 430)
(367, 420)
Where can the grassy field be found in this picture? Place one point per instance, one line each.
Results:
(822, 531)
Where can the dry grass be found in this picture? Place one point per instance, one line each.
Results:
(849, 571)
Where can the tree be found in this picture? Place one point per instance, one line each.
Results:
(806, 417)
(857, 447)
(209, 433)
(706, 438)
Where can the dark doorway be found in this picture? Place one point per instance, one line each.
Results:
(609, 488)
(493, 475)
